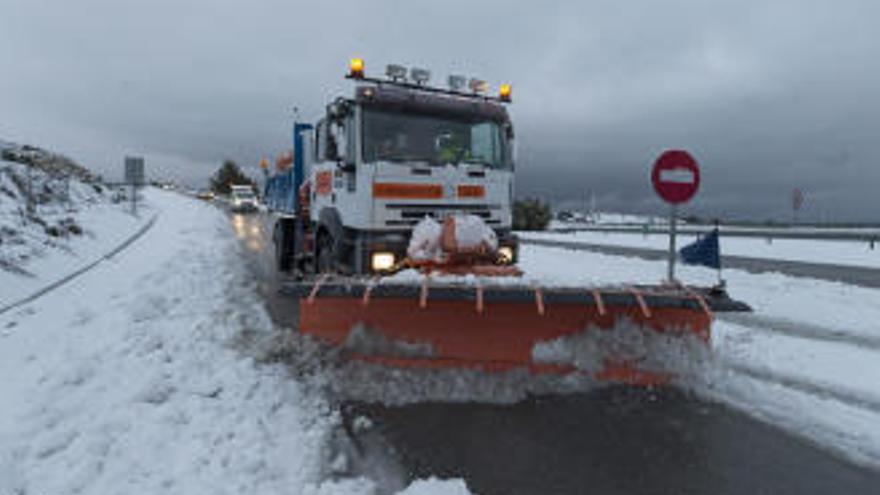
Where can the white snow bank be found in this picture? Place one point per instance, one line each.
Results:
(361, 486)
(137, 377)
(838, 365)
(32, 258)
(434, 486)
(128, 380)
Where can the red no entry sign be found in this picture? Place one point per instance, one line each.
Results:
(676, 176)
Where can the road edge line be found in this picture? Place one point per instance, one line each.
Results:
(58, 283)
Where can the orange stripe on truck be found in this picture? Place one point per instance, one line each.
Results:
(471, 191)
(395, 190)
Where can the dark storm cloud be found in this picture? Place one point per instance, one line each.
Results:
(769, 95)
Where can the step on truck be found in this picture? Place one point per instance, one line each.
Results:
(380, 160)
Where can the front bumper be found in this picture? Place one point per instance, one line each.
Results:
(244, 206)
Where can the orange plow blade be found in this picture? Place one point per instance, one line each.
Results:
(496, 328)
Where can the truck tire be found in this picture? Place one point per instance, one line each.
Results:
(282, 237)
(326, 261)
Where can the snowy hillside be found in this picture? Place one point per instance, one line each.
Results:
(69, 222)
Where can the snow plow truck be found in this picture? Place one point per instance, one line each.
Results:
(393, 218)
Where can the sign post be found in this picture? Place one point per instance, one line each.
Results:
(797, 200)
(676, 178)
(134, 175)
(670, 268)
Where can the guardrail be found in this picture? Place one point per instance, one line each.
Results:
(870, 235)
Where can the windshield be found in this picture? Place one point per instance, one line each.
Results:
(407, 137)
(243, 194)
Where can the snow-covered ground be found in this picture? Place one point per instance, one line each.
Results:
(807, 359)
(83, 229)
(141, 375)
(814, 251)
(136, 377)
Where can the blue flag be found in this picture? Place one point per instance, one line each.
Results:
(704, 251)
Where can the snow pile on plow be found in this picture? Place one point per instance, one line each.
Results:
(675, 353)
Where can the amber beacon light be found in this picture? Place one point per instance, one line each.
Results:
(356, 68)
(504, 92)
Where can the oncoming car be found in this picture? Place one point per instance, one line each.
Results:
(242, 198)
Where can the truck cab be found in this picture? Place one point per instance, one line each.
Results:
(393, 153)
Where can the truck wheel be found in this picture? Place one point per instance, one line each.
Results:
(282, 238)
(326, 256)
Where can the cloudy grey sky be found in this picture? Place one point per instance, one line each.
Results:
(769, 95)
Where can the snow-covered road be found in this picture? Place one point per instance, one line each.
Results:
(807, 359)
(134, 378)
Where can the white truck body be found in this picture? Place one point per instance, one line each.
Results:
(379, 164)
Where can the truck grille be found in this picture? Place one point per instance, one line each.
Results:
(411, 213)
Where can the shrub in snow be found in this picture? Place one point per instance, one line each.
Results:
(531, 214)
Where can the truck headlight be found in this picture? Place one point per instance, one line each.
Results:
(505, 253)
(382, 261)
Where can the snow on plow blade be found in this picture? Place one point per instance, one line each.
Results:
(497, 328)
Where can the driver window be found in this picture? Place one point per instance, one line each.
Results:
(484, 142)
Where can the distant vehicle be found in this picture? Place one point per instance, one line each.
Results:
(242, 198)
(205, 195)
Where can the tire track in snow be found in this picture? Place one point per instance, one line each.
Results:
(801, 330)
(819, 390)
(58, 283)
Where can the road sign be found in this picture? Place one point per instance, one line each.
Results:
(797, 199)
(676, 176)
(134, 170)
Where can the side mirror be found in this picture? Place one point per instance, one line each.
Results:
(336, 141)
(508, 130)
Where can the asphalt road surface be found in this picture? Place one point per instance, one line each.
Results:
(863, 276)
(617, 440)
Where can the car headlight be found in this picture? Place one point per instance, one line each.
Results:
(505, 253)
(382, 261)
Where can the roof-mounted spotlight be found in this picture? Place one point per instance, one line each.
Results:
(478, 86)
(420, 76)
(395, 72)
(356, 68)
(456, 83)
